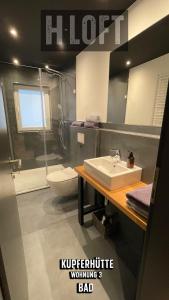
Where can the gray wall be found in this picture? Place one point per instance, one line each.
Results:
(144, 148)
(29, 145)
(116, 109)
(129, 238)
(25, 145)
(153, 130)
(99, 142)
(79, 152)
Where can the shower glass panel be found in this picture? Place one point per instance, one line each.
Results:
(27, 108)
(61, 87)
(40, 106)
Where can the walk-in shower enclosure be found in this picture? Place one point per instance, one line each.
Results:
(39, 106)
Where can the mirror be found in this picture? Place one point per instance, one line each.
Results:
(139, 79)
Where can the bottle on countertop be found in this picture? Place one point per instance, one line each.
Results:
(130, 160)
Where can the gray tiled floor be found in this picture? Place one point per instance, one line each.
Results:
(50, 232)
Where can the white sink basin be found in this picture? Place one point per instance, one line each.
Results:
(112, 176)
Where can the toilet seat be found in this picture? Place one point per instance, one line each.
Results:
(62, 175)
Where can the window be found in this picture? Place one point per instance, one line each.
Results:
(32, 110)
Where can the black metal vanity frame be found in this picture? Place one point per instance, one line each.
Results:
(99, 201)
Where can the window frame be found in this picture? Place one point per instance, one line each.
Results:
(46, 103)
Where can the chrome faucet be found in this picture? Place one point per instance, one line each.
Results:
(116, 156)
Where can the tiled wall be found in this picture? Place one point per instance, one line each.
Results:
(145, 149)
(99, 142)
(79, 152)
(132, 128)
(30, 145)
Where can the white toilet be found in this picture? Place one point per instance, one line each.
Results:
(63, 182)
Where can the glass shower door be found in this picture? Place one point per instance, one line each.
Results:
(54, 152)
(62, 103)
(26, 126)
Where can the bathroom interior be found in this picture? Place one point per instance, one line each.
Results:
(68, 128)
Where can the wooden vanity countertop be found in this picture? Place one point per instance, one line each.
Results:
(116, 197)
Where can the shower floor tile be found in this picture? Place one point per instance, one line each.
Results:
(33, 179)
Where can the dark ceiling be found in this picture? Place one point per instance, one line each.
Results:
(148, 45)
(25, 17)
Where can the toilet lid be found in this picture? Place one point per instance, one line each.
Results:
(62, 175)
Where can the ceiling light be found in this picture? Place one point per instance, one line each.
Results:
(46, 67)
(13, 32)
(15, 61)
(128, 62)
(61, 45)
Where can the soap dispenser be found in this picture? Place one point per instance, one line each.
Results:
(130, 160)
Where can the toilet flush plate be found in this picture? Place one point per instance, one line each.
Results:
(80, 138)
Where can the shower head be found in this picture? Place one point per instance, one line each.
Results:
(49, 70)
